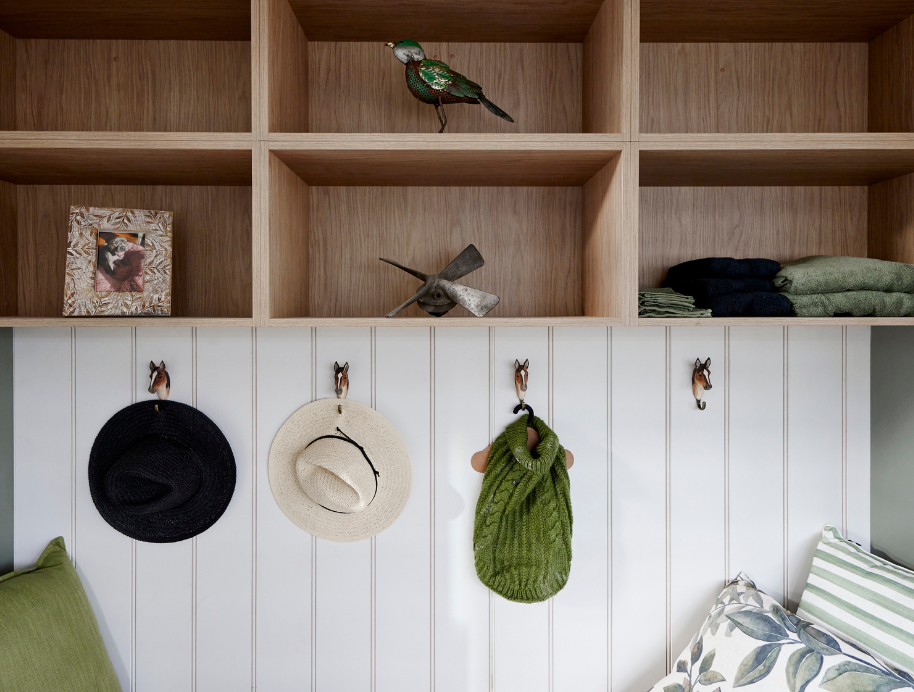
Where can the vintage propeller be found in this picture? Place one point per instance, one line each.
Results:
(440, 292)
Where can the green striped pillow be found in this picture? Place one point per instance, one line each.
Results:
(861, 598)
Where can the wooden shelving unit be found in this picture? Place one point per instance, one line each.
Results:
(282, 135)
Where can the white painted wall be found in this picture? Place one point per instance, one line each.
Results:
(668, 501)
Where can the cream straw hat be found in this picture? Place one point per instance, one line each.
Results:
(339, 470)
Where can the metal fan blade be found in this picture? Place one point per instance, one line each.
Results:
(421, 292)
(467, 261)
(476, 301)
(418, 275)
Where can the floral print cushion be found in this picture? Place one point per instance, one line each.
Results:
(749, 640)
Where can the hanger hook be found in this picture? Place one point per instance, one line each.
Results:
(521, 376)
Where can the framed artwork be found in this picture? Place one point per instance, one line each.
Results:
(118, 263)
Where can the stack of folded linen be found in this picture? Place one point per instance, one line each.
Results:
(730, 287)
(665, 302)
(824, 286)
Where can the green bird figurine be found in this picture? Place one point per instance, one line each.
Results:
(434, 82)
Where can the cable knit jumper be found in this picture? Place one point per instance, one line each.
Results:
(522, 537)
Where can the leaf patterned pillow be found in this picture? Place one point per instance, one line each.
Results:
(749, 640)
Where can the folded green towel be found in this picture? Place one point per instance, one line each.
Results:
(824, 274)
(665, 302)
(855, 303)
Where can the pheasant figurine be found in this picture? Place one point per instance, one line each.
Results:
(434, 82)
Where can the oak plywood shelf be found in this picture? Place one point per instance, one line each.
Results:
(728, 66)
(128, 66)
(555, 67)
(549, 223)
(283, 136)
(208, 186)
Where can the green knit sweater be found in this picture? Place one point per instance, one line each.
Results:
(522, 536)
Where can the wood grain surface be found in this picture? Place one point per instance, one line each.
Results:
(530, 238)
(150, 86)
(287, 69)
(287, 248)
(781, 223)
(212, 244)
(606, 250)
(768, 20)
(9, 275)
(7, 82)
(128, 162)
(208, 20)
(891, 70)
(361, 87)
(891, 220)
(443, 166)
(606, 89)
(457, 20)
(733, 167)
(745, 87)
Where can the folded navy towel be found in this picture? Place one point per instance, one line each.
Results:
(759, 304)
(709, 288)
(723, 268)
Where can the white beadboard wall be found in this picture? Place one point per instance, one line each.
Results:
(668, 501)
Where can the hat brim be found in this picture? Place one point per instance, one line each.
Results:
(179, 424)
(382, 444)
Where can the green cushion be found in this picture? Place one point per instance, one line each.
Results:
(49, 638)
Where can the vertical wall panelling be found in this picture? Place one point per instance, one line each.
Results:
(403, 554)
(103, 556)
(856, 434)
(581, 419)
(344, 570)
(224, 602)
(668, 500)
(756, 455)
(814, 445)
(522, 631)
(461, 419)
(639, 535)
(164, 571)
(284, 569)
(696, 483)
(43, 442)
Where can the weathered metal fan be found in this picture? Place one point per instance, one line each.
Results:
(440, 293)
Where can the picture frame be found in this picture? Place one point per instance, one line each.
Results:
(119, 262)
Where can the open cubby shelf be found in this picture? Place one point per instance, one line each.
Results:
(125, 66)
(728, 66)
(778, 203)
(208, 189)
(282, 135)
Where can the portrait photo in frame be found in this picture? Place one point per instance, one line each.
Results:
(119, 263)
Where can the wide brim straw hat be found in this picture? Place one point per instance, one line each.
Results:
(339, 470)
(161, 472)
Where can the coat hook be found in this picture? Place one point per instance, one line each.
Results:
(159, 381)
(701, 381)
(520, 381)
(520, 386)
(341, 382)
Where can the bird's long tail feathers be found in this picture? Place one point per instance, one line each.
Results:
(495, 109)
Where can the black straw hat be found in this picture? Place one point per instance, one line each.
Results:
(163, 475)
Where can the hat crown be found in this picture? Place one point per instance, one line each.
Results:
(333, 473)
(153, 474)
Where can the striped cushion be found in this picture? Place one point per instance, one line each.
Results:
(861, 598)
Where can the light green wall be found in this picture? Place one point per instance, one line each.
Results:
(6, 450)
(892, 416)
